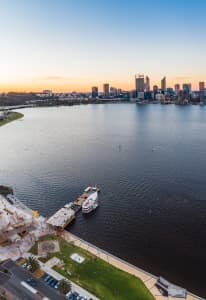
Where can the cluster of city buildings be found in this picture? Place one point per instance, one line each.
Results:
(143, 91)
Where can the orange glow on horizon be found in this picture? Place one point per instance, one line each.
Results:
(63, 86)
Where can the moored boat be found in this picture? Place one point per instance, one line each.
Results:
(91, 203)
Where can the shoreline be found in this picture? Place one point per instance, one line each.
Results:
(12, 116)
(41, 229)
(147, 278)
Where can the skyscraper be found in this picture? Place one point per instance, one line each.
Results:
(187, 87)
(202, 90)
(94, 91)
(163, 84)
(155, 91)
(139, 83)
(201, 86)
(147, 84)
(106, 89)
(113, 92)
(186, 90)
(177, 88)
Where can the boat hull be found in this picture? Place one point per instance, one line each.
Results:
(89, 209)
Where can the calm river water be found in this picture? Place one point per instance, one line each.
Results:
(150, 162)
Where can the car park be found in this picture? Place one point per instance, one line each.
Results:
(51, 281)
(75, 296)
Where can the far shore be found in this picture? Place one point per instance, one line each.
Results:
(12, 116)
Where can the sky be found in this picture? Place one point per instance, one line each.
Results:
(71, 45)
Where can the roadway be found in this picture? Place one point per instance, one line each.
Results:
(13, 284)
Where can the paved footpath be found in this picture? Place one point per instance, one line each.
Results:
(148, 279)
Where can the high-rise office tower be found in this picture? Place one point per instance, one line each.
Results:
(187, 87)
(106, 89)
(147, 84)
(177, 88)
(113, 92)
(139, 83)
(155, 88)
(202, 86)
(202, 90)
(186, 90)
(163, 84)
(94, 91)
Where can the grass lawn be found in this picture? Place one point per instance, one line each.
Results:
(98, 276)
(11, 117)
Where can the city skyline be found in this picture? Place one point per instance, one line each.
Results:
(74, 45)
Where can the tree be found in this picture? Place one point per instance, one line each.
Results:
(33, 262)
(64, 286)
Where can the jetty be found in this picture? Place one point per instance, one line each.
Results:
(65, 215)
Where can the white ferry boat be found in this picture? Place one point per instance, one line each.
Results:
(91, 203)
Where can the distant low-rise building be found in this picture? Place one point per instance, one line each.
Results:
(45, 94)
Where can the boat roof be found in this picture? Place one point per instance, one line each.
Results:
(92, 196)
(87, 189)
(172, 289)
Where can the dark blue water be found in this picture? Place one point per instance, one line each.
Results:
(150, 162)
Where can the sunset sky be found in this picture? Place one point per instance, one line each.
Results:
(67, 45)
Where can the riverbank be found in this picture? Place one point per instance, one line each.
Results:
(148, 279)
(10, 117)
(103, 274)
(98, 276)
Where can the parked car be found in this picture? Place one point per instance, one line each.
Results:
(46, 278)
(31, 281)
(24, 265)
(53, 283)
(28, 267)
(50, 280)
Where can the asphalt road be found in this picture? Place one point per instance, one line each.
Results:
(13, 284)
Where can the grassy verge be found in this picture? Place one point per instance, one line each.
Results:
(98, 276)
(12, 116)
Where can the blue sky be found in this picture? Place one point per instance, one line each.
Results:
(67, 44)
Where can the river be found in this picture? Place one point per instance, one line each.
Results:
(150, 163)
